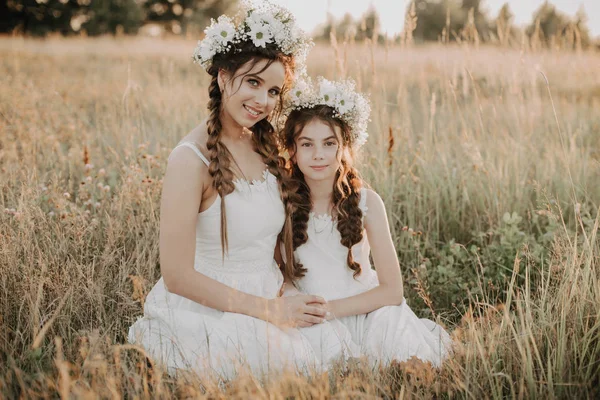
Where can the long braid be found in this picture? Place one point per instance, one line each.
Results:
(218, 155)
(267, 146)
(303, 208)
(346, 199)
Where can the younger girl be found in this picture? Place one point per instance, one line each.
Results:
(336, 224)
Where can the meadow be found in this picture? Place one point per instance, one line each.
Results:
(487, 158)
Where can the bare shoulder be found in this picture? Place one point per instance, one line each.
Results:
(376, 214)
(373, 199)
(197, 136)
(184, 162)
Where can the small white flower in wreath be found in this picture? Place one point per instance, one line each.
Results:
(260, 35)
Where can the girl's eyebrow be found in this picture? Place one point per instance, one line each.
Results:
(311, 140)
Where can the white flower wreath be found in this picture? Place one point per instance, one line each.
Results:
(262, 23)
(348, 104)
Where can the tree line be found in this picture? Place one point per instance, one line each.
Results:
(425, 20)
(98, 17)
(467, 20)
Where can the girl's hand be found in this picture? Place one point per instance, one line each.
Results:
(288, 290)
(328, 312)
(299, 311)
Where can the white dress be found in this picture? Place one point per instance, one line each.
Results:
(386, 334)
(183, 334)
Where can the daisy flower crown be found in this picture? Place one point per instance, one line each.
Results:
(349, 105)
(261, 22)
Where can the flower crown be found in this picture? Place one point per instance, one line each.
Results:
(349, 105)
(263, 23)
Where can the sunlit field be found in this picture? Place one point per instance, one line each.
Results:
(487, 158)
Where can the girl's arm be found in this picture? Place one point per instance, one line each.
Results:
(390, 291)
(184, 182)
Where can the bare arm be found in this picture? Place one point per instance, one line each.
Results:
(389, 291)
(185, 180)
(183, 186)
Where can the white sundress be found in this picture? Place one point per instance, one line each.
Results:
(185, 335)
(383, 335)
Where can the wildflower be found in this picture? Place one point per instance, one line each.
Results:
(67, 195)
(260, 35)
(89, 167)
(344, 103)
(101, 172)
(221, 32)
(327, 92)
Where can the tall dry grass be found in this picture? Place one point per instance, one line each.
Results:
(459, 137)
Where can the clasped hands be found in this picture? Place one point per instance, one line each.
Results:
(292, 309)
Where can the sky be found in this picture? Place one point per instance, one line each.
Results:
(310, 13)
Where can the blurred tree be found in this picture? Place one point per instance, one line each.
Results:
(552, 27)
(179, 15)
(112, 16)
(347, 28)
(449, 19)
(437, 19)
(369, 25)
(582, 29)
(39, 17)
(503, 26)
(479, 18)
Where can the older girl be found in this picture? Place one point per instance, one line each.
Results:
(216, 307)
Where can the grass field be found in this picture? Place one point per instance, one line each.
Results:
(488, 160)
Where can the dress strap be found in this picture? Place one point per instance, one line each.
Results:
(362, 204)
(195, 149)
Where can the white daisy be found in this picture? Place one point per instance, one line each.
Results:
(260, 35)
(345, 102)
(300, 92)
(222, 31)
(204, 51)
(328, 92)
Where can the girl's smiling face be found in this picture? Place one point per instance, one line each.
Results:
(317, 150)
(252, 95)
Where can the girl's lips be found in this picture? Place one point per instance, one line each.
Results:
(319, 168)
(254, 113)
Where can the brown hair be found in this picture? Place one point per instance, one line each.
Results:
(263, 134)
(346, 188)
